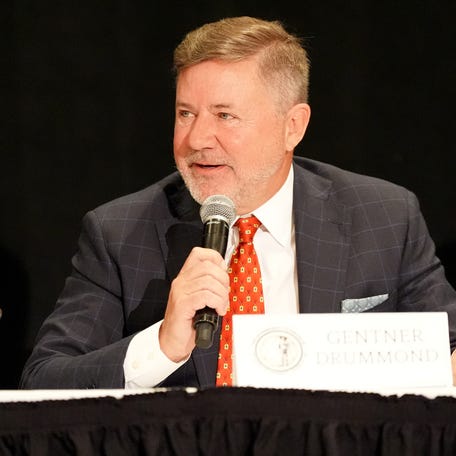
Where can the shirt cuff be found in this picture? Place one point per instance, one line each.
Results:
(145, 365)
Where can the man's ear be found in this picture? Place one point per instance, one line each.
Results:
(297, 120)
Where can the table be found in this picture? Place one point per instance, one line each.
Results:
(228, 421)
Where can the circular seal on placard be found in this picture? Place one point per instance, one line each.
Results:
(278, 349)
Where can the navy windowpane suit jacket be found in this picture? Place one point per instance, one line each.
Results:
(356, 237)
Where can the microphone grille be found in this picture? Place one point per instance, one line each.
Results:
(218, 206)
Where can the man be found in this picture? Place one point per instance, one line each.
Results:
(327, 238)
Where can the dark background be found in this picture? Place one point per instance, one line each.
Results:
(87, 101)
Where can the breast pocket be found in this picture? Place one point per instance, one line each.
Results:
(378, 303)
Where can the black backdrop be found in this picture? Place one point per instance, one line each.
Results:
(87, 101)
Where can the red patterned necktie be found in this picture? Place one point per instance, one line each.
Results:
(246, 294)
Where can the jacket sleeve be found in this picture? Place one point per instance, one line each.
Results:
(422, 282)
(81, 344)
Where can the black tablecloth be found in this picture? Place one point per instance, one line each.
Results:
(232, 421)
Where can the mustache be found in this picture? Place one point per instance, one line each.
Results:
(205, 158)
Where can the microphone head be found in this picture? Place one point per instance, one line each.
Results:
(219, 207)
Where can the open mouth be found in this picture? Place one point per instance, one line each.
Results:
(205, 166)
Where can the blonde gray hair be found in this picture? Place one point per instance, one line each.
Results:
(282, 61)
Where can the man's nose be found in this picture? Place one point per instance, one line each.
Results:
(202, 132)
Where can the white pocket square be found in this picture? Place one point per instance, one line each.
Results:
(362, 304)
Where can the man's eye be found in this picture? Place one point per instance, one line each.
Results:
(225, 116)
(185, 114)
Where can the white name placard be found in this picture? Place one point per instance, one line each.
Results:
(342, 351)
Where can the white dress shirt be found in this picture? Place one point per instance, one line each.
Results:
(145, 365)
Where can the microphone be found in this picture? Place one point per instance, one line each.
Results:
(217, 214)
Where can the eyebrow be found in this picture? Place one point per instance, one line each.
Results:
(222, 106)
(182, 104)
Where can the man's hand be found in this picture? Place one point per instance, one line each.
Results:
(202, 281)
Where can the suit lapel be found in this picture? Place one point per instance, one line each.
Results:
(322, 228)
(182, 230)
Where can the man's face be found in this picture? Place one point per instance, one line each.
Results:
(229, 137)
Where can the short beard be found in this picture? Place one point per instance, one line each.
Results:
(241, 196)
(195, 189)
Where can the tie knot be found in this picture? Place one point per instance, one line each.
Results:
(247, 228)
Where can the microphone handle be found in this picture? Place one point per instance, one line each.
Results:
(215, 235)
(206, 321)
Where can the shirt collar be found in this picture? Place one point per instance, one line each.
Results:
(276, 214)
